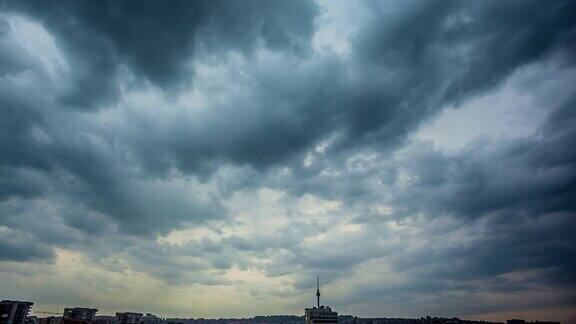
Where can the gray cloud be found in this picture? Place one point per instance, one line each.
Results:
(365, 102)
(184, 111)
(157, 39)
(17, 246)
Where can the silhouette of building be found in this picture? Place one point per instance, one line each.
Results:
(521, 321)
(105, 319)
(151, 319)
(515, 321)
(32, 320)
(79, 314)
(129, 318)
(14, 311)
(50, 320)
(320, 314)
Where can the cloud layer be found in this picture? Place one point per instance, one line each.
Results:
(195, 150)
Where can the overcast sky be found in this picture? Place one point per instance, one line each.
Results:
(210, 158)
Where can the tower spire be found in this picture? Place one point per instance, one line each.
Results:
(318, 290)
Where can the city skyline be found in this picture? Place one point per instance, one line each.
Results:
(18, 312)
(212, 158)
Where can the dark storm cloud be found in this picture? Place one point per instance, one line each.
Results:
(86, 171)
(14, 183)
(398, 81)
(526, 192)
(17, 143)
(436, 54)
(475, 43)
(15, 246)
(107, 187)
(442, 52)
(531, 176)
(156, 39)
(401, 72)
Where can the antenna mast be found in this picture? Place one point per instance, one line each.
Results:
(318, 290)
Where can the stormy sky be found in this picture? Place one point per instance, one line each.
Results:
(210, 158)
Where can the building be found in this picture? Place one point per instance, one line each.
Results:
(320, 314)
(79, 314)
(50, 320)
(515, 321)
(105, 320)
(129, 318)
(14, 311)
(32, 320)
(520, 321)
(151, 319)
